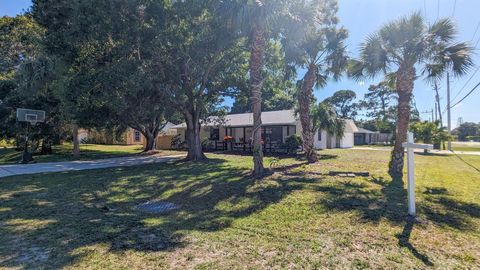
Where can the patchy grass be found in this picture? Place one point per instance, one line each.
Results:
(297, 218)
(466, 146)
(375, 146)
(88, 152)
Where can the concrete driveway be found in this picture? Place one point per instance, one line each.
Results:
(21, 169)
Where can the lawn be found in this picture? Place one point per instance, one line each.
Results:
(466, 146)
(297, 218)
(64, 153)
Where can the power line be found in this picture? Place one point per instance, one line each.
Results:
(438, 9)
(466, 83)
(476, 30)
(476, 43)
(425, 8)
(469, 93)
(454, 7)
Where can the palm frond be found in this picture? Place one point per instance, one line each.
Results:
(443, 30)
(321, 80)
(433, 71)
(456, 58)
(406, 31)
(355, 69)
(324, 117)
(374, 56)
(460, 58)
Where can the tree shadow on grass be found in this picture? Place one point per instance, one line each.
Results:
(327, 157)
(390, 203)
(53, 220)
(404, 241)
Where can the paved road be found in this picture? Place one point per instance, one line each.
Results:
(21, 169)
(440, 152)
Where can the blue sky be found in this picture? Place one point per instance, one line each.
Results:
(362, 17)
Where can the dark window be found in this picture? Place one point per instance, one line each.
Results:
(137, 136)
(272, 134)
(214, 134)
(319, 135)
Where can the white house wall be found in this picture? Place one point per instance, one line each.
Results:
(320, 144)
(347, 140)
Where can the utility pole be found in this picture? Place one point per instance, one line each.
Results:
(436, 113)
(437, 96)
(449, 114)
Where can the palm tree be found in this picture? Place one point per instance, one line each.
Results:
(403, 46)
(313, 42)
(324, 117)
(254, 20)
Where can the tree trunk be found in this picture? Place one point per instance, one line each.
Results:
(405, 80)
(150, 140)
(304, 102)
(76, 143)
(46, 147)
(109, 136)
(194, 142)
(257, 53)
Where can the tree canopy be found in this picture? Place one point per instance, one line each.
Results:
(342, 101)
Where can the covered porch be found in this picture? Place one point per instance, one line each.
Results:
(240, 138)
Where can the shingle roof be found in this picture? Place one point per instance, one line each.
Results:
(363, 130)
(286, 117)
(350, 126)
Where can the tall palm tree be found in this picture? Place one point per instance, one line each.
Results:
(256, 21)
(315, 43)
(402, 47)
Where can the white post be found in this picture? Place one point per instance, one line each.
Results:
(410, 145)
(411, 176)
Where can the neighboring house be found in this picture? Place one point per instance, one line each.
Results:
(368, 137)
(82, 135)
(135, 137)
(276, 127)
(131, 137)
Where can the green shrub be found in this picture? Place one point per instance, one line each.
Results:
(292, 143)
(177, 142)
(206, 144)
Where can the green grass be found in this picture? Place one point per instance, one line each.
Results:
(466, 146)
(298, 218)
(375, 146)
(64, 153)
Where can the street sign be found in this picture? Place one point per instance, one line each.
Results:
(411, 146)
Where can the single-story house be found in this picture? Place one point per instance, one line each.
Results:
(367, 137)
(276, 127)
